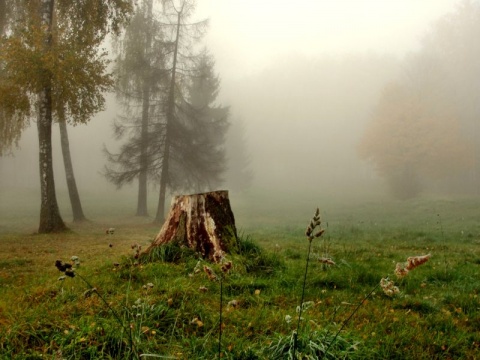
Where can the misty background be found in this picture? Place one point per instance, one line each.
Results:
(302, 81)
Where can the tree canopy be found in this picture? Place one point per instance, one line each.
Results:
(74, 63)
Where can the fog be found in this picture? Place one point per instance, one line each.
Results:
(248, 36)
(303, 77)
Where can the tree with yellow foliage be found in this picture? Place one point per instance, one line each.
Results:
(413, 137)
(51, 66)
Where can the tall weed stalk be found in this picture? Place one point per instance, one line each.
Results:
(309, 233)
(439, 222)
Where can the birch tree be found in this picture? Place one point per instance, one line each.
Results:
(73, 194)
(52, 66)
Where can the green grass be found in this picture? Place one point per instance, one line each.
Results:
(436, 315)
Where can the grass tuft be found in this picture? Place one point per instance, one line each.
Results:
(318, 344)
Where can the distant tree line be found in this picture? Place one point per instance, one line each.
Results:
(424, 129)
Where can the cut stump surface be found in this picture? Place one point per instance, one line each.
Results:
(202, 222)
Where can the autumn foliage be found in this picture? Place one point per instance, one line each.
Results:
(411, 140)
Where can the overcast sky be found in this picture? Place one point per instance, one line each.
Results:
(247, 35)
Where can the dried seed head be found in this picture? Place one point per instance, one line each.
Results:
(211, 275)
(327, 261)
(400, 270)
(320, 233)
(415, 261)
(388, 287)
(227, 267)
(61, 266)
(309, 230)
(314, 222)
(70, 273)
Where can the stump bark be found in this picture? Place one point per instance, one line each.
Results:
(203, 222)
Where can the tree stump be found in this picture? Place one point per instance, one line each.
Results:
(202, 222)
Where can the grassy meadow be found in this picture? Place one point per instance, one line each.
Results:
(117, 308)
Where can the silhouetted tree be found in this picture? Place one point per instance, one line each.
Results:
(176, 132)
(183, 37)
(198, 152)
(239, 174)
(197, 157)
(140, 88)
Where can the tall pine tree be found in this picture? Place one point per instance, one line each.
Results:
(174, 131)
(140, 81)
(199, 159)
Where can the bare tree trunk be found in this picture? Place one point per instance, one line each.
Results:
(202, 222)
(3, 15)
(77, 210)
(50, 219)
(170, 118)
(142, 209)
(142, 176)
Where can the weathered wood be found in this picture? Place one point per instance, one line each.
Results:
(203, 222)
